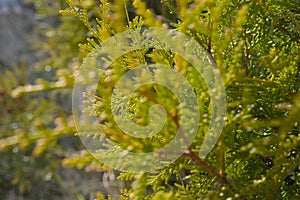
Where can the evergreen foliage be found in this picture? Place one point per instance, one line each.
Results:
(255, 45)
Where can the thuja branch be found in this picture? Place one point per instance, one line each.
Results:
(286, 32)
(189, 153)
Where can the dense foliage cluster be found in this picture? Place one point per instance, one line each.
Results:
(255, 46)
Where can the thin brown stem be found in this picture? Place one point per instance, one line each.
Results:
(126, 12)
(272, 196)
(209, 45)
(222, 157)
(286, 32)
(210, 36)
(247, 53)
(189, 153)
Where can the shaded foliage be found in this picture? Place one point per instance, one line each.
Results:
(255, 45)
